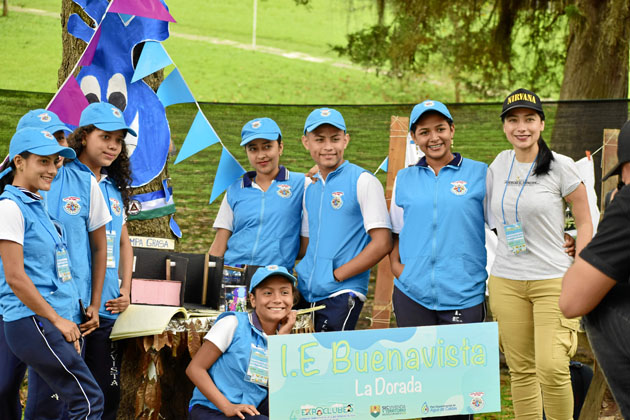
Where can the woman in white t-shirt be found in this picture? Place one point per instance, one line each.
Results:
(528, 188)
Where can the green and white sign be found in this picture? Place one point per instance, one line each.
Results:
(397, 373)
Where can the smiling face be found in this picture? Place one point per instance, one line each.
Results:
(35, 172)
(272, 300)
(434, 135)
(326, 145)
(101, 148)
(264, 155)
(522, 127)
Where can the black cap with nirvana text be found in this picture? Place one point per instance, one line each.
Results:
(522, 98)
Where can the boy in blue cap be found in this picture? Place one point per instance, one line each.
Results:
(259, 219)
(225, 387)
(38, 294)
(346, 226)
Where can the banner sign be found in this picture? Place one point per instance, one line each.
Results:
(155, 243)
(397, 373)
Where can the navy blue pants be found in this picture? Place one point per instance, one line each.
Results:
(43, 348)
(200, 412)
(410, 313)
(12, 372)
(104, 358)
(341, 312)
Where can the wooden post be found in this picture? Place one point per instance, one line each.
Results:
(5, 7)
(609, 159)
(381, 309)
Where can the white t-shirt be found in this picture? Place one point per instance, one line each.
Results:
(12, 226)
(541, 210)
(99, 212)
(222, 332)
(371, 199)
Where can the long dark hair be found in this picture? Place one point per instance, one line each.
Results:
(8, 178)
(544, 158)
(119, 171)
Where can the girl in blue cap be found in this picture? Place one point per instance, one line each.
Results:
(12, 368)
(226, 385)
(259, 219)
(100, 146)
(37, 292)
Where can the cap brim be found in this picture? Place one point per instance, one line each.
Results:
(52, 150)
(448, 117)
(114, 127)
(289, 277)
(264, 136)
(520, 106)
(58, 127)
(316, 124)
(616, 170)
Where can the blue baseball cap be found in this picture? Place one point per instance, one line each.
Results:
(39, 142)
(260, 128)
(42, 119)
(324, 116)
(105, 117)
(426, 106)
(271, 270)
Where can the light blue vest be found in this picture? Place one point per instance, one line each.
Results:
(266, 227)
(336, 234)
(442, 242)
(229, 371)
(113, 198)
(41, 238)
(69, 202)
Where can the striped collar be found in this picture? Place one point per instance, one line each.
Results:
(250, 177)
(457, 161)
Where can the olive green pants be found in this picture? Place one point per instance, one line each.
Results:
(537, 341)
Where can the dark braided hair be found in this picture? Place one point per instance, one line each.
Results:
(119, 171)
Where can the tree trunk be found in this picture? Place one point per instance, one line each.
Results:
(5, 7)
(596, 67)
(72, 50)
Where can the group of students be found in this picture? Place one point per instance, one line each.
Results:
(65, 264)
(337, 225)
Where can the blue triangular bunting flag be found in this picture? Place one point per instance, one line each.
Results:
(175, 228)
(229, 170)
(200, 136)
(152, 59)
(174, 90)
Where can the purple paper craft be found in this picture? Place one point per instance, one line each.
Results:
(88, 55)
(147, 8)
(69, 102)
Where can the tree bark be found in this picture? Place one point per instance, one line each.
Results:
(596, 67)
(5, 7)
(72, 50)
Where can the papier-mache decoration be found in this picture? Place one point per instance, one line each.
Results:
(153, 9)
(174, 90)
(228, 171)
(109, 76)
(200, 136)
(152, 59)
(68, 102)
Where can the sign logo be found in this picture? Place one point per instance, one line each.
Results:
(256, 124)
(115, 205)
(116, 113)
(459, 187)
(477, 403)
(72, 206)
(44, 117)
(284, 191)
(135, 207)
(425, 408)
(325, 113)
(336, 201)
(375, 410)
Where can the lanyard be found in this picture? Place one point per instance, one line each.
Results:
(519, 193)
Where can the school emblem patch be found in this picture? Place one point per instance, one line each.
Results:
(459, 187)
(256, 124)
(336, 202)
(116, 113)
(115, 205)
(325, 113)
(477, 402)
(44, 117)
(284, 191)
(135, 207)
(428, 104)
(48, 135)
(72, 206)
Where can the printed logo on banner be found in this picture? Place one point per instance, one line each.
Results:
(336, 202)
(459, 187)
(375, 410)
(72, 206)
(477, 403)
(284, 191)
(393, 410)
(135, 207)
(425, 408)
(332, 412)
(44, 117)
(115, 205)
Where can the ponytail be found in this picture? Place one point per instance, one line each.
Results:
(544, 158)
(7, 179)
